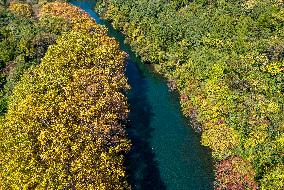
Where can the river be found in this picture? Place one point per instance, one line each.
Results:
(166, 152)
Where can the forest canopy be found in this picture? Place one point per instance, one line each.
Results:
(225, 57)
(62, 122)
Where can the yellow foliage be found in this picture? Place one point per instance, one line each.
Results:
(274, 179)
(255, 138)
(22, 9)
(1, 9)
(62, 129)
(222, 139)
(275, 68)
(79, 19)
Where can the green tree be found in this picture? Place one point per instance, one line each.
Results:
(225, 57)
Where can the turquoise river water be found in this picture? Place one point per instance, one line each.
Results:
(166, 153)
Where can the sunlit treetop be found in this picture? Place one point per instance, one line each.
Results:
(63, 128)
(79, 19)
(64, 119)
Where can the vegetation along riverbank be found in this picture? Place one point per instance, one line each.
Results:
(226, 60)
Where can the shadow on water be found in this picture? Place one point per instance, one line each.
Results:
(166, 153)
(142, 169)
(141, 165)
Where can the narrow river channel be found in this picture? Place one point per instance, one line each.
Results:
(166, 152)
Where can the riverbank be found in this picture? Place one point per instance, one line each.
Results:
(225, 60)
(166, 153)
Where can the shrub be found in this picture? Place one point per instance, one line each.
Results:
(221, 139)
(235, 173)
(274, 179)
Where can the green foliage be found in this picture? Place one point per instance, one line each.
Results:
(54, 25)
(3, 3)
(23, 42)
(274, 179)
(6, 52)
(226, 59)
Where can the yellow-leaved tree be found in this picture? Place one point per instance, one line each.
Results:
(63, 128)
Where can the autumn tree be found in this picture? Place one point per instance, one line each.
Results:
(64, 123)
(63, 126)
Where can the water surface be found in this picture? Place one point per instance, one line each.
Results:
(166, 152)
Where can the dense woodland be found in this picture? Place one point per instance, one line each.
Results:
(62, 86)
(225, 57)
(62, 100)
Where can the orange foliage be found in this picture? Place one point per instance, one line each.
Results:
(235, 173)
